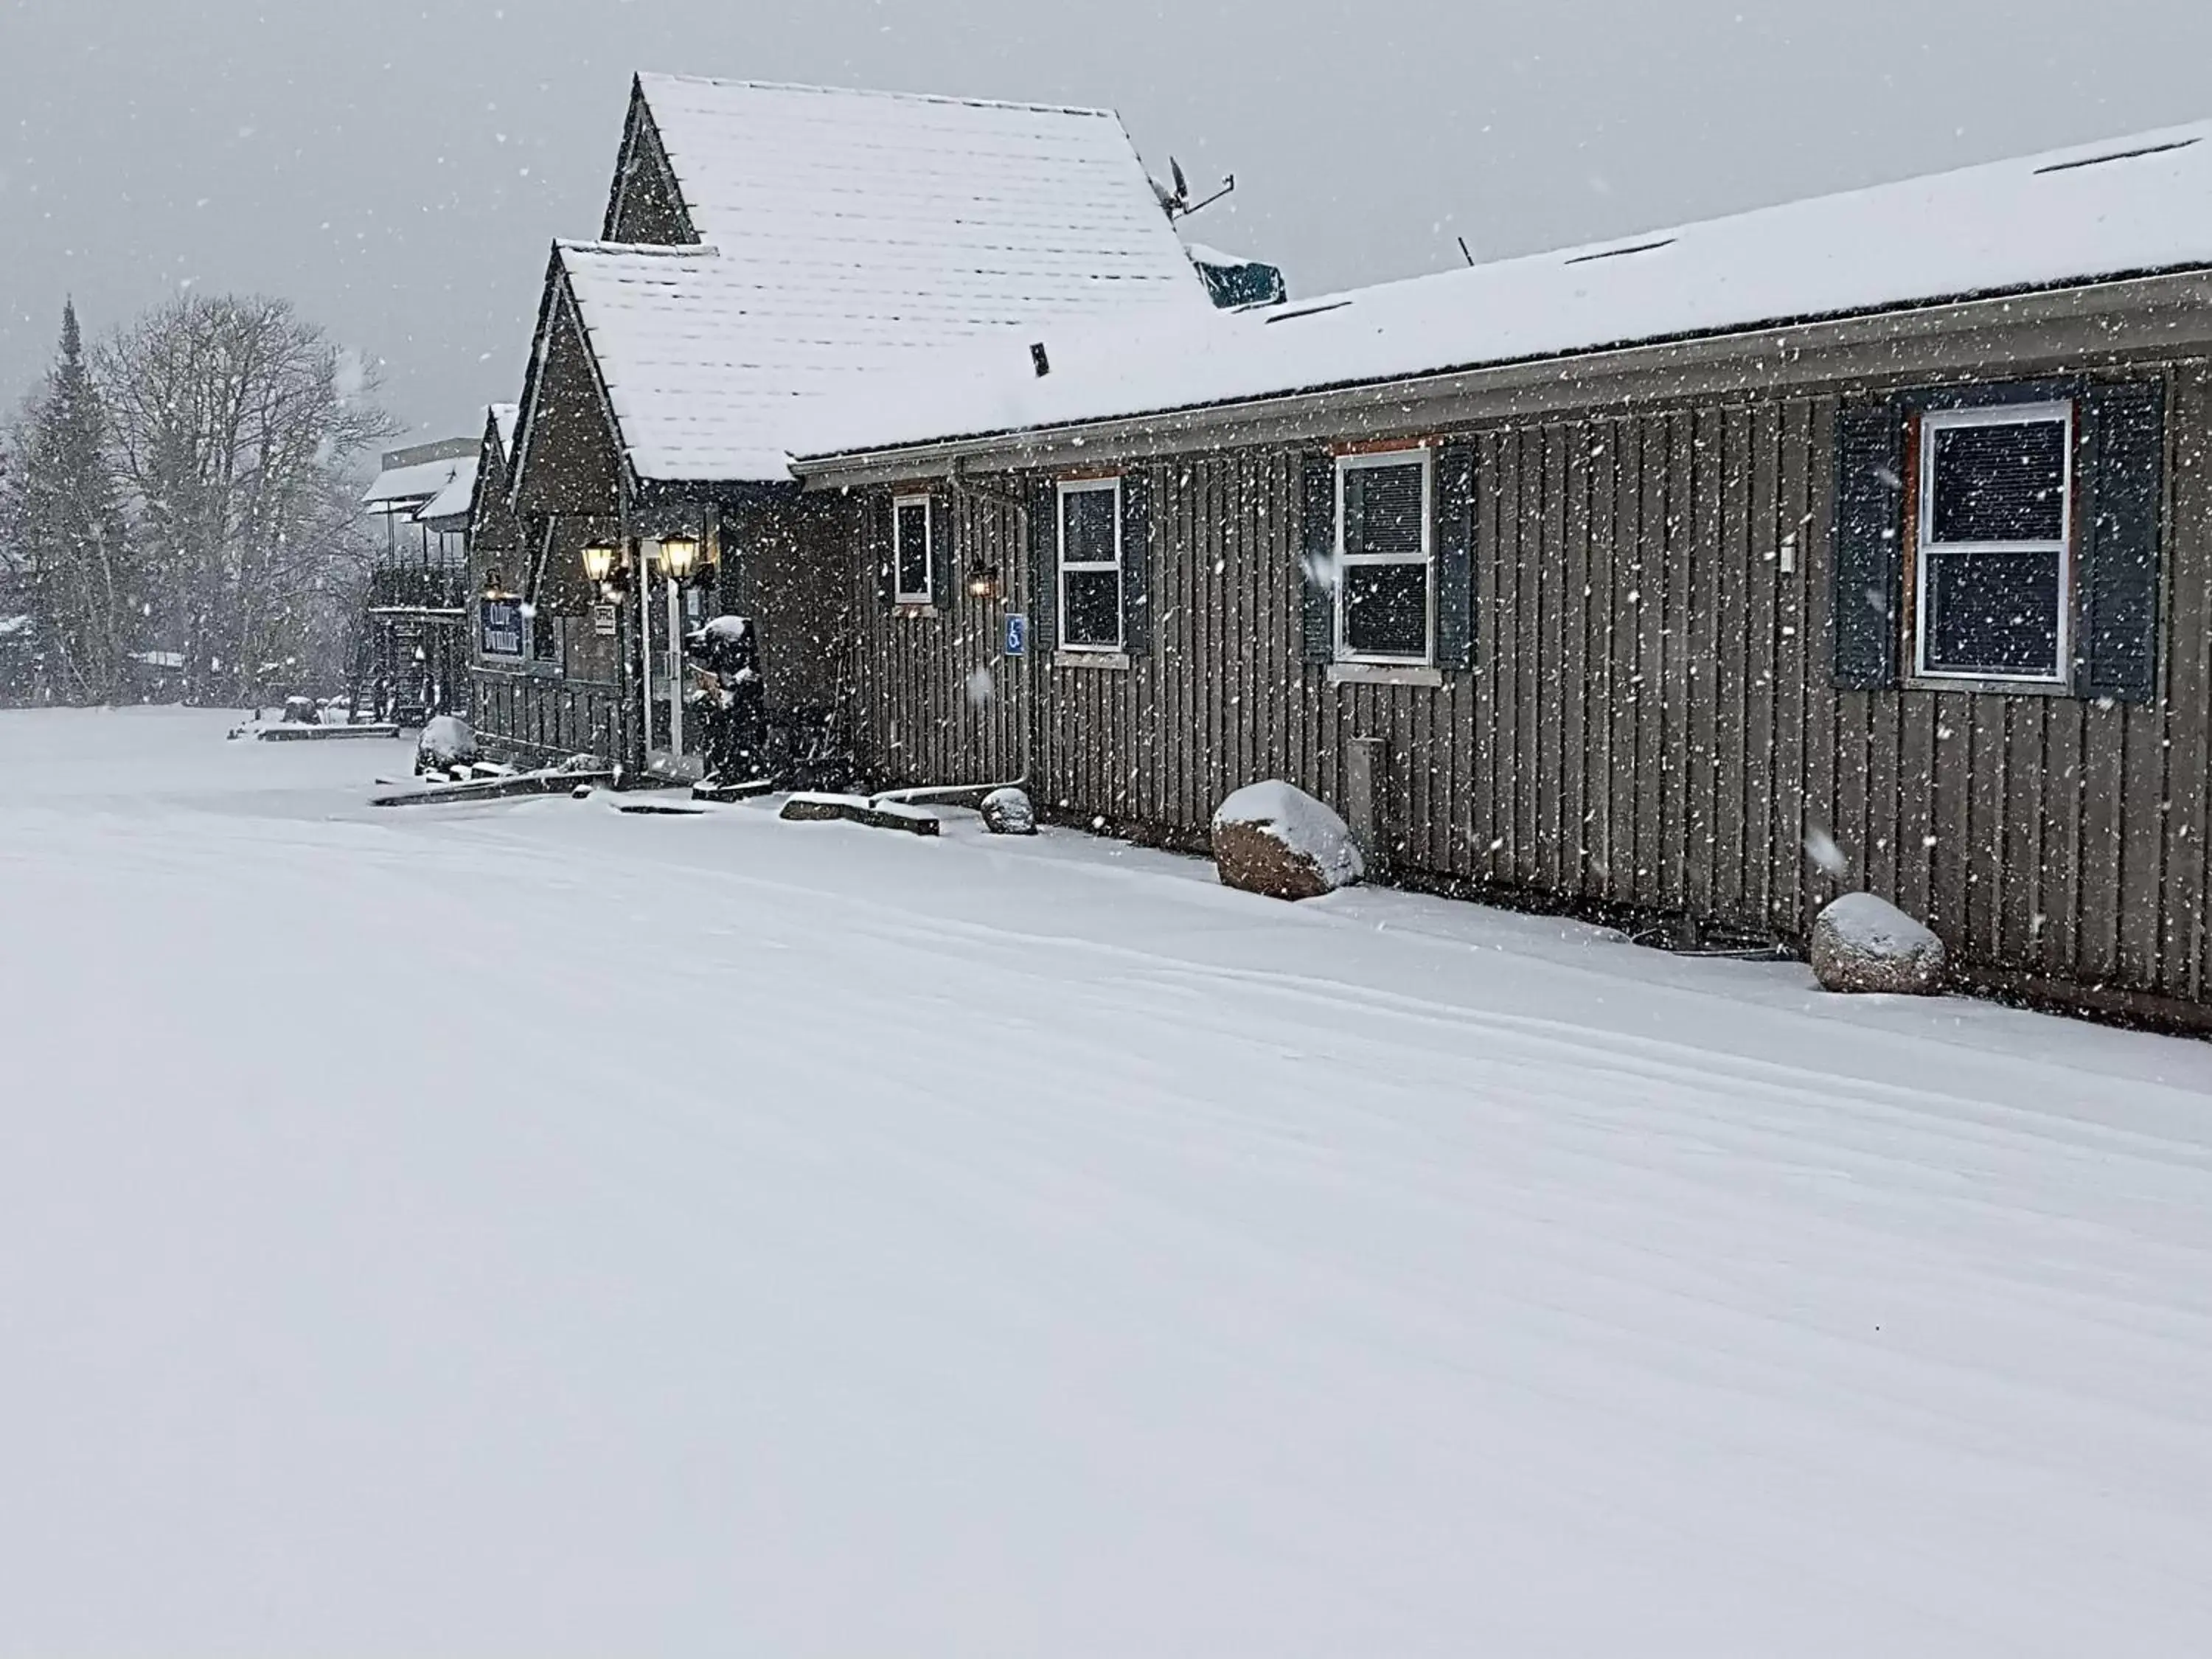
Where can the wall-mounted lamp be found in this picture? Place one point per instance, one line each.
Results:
(599, 564)
(984, 581)
(678, 556)
(494, 587)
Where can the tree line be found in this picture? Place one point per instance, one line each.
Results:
(178, 506)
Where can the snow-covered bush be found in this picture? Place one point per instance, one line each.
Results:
(1007, 811)
(1862, 942)
(447, 741)
(1272, 839)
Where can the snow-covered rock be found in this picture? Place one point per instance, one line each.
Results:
(301, 711)
(1272, 839)
(1862, 942)
(1008, 812)
(447, 741)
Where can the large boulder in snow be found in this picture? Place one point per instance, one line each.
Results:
(447, 741)
(1271, 839)
(1862, 942)
(1007, 811)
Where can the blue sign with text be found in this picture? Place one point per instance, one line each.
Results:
(1017, 634)
(502, 627)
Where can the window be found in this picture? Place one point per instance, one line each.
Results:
(1090, 565)
(544, 634)
(910, 550)
(1994, 555)
(1385, 588)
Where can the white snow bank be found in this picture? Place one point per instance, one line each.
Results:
(1040, 1252)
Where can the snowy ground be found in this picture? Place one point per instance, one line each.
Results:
(532, 1229)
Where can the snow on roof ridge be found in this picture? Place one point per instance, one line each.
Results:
(2126, 146)
(2121, 147)
(650, 77)
(653, 250)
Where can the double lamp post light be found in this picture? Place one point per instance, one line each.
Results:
(676, 557)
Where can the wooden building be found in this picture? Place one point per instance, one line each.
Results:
(410, 651)
(1863, 542)
(766, 251)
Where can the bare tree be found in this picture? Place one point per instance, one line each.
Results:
(234, 421)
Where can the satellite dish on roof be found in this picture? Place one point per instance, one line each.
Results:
(1175, 199)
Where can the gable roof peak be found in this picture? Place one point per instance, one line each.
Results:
(646, 80)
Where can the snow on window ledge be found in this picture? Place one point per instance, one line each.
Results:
(1990, 685)
(1383, 673)
(1079, 658)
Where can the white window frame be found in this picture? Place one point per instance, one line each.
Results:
(1078, 487)
(1426, 455)
(1926, 550)
(926, 594)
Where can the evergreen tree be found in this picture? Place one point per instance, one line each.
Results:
(66, 532)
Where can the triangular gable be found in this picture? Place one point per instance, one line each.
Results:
(645, 203)
(568, 449)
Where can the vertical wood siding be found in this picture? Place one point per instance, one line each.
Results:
(1649, 719)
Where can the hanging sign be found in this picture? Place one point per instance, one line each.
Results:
(1017, 634)
(501, 627)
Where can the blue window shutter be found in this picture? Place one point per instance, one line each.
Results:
(1044, 567)
(1137, 562)
(2115, 636)
(879, 510)
(943, 546)
(1456, 487)
(1868, 564)
(1317, 560)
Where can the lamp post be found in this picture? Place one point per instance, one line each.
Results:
(675, 556)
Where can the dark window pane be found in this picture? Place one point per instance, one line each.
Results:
(913, 549)
(1094, 608)
(2001, 484)
(1383, 508)
(1386, 609)
(1087, 518)
(1994, 613)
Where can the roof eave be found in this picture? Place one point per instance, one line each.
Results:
(2173, 306)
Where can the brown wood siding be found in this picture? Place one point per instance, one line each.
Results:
(1649, 719)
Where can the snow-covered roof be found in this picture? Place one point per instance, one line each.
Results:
(844, 233)
(399, 486)
(2126, 207)
(452, 501)
(11, 626)
(503, 417)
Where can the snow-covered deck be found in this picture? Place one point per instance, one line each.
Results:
(1030, 1247)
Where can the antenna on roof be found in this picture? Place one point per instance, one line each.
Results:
(1175, 199)
(1464, 252)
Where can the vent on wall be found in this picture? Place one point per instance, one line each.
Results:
(2116, 155)
(1620, 253)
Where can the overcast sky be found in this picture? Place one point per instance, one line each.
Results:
(399, 169)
